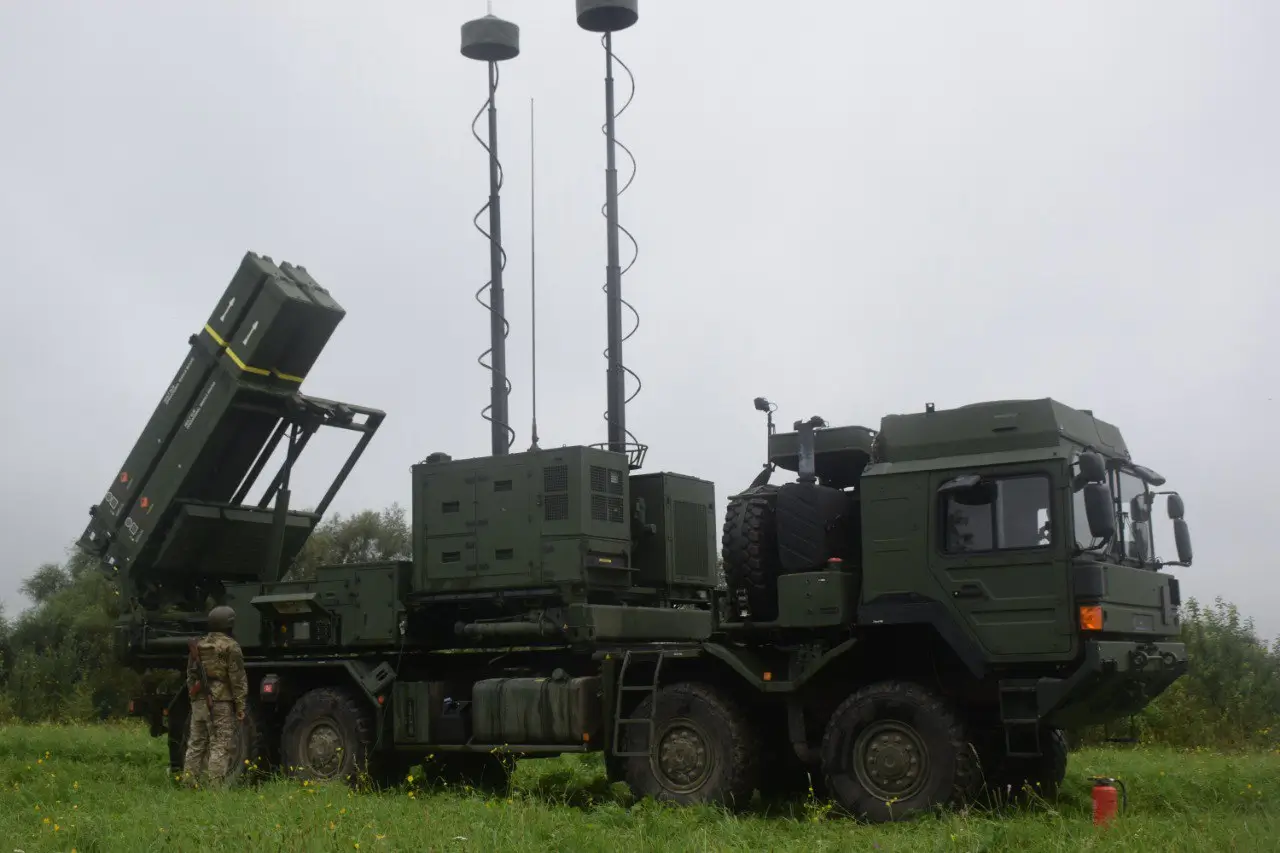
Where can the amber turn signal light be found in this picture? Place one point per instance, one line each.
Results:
(1091, 618)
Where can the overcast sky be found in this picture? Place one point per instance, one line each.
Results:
(851, 208)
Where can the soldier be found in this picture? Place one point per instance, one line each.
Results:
(218, 687)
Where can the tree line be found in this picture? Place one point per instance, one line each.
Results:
(57, 658)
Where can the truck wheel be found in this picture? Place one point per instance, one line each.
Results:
(893, 750)
(328, 735)
(705, 749)
(749, 547)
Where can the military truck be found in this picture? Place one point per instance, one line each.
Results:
(922, 608)
(917, 614)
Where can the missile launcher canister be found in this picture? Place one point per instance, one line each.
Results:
(177, 504)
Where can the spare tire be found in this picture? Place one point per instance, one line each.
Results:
(750, 551)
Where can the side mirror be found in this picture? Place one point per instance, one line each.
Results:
(1092, 468)
(1176, 508)
(1141, 544)
(1182, 537)
(1138, 511)
(1100, 511)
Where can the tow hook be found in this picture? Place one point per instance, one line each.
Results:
(1142, 656)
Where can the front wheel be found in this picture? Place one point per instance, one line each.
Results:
(704, 749)
(327, 736)
(894, 750)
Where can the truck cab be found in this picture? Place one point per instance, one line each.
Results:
(1023, 531)
(1000, 553)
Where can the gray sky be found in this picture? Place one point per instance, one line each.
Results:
(851, 208)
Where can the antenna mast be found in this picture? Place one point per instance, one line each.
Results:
(492, 40)
(533, 284)
(608, 17)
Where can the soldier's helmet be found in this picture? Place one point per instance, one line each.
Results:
(222, 618)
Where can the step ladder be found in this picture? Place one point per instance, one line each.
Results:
(1019, 718)
(649, 685)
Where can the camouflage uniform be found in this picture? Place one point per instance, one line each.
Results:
(213, 727)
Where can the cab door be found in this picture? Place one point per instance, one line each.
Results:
(999, 550)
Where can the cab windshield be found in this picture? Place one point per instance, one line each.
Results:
(1133, 528)
(1133, 531)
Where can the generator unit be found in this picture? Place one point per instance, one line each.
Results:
(506, 539)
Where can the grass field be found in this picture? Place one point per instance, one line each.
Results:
(107, 788)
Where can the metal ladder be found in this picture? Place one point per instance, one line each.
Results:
(1019, 719)
(650, 687)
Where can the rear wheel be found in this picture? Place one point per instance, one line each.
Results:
(327, 736)
(704, 750)
(893, 750)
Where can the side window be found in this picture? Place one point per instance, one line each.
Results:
(995, 513)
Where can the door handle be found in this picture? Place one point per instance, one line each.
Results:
(969, 590)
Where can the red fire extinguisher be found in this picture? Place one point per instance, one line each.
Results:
(1107, 800)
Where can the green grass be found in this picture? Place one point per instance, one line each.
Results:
(98, 788)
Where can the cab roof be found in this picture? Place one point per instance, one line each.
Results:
(995, 427)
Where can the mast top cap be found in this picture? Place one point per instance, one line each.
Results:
(490, 39)
(607, 16)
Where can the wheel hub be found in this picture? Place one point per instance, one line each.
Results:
(683, 759)
(890, 760)
(323, 748)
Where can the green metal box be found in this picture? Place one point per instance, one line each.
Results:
(415, 708)
(607, 623)
(544, 517)
(353, 606)
(680, 547)
(817, 599)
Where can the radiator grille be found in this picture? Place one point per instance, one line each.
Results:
(555, 478)
(690, 556)
(604, 508)
(556, 507)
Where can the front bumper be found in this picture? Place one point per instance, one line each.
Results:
(1116, 679)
